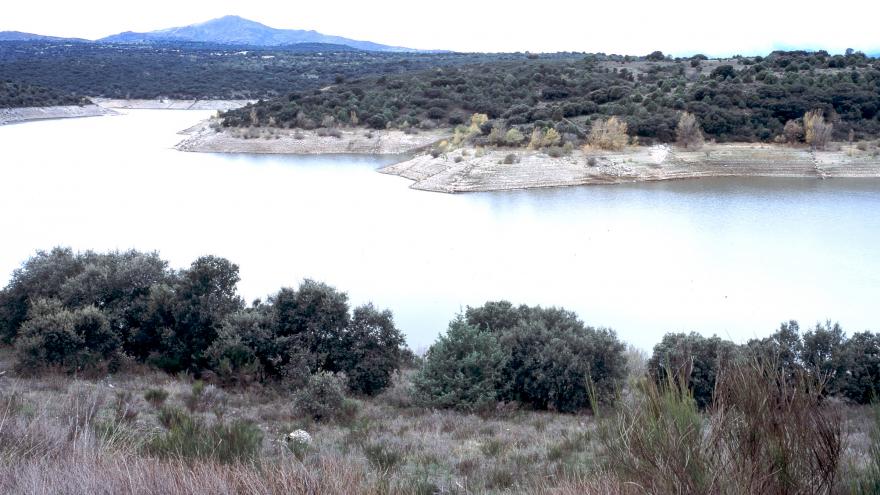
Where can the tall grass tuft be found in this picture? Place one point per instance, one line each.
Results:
(767, 432)
(866, 480)
(656, 440)
(189, 438)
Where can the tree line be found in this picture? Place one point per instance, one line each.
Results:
(94, 313)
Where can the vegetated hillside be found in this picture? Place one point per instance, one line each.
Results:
(741, 99)
(14, 95)
(200, 70)
(235, 30)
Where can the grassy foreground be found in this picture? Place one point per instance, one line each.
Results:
(120, 434)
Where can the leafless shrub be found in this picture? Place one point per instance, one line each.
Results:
(329, 132)
(793, 132)
(688, 131)
(817, 132)
(610, 134)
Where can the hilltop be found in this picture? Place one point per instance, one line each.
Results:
(235, 30)
(20, 36)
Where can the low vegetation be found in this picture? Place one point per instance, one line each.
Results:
(299, 395)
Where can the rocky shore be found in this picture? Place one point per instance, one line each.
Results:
(467, 170)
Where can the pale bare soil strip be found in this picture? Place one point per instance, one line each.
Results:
(167, 104)
(205, 138)
(465, 170)
(27, 114)
(106, 106)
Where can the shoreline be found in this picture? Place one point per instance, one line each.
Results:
(471, 170)
(21, 115)
(464, 171)
(169, 104)
(205, 138)
(108, 106)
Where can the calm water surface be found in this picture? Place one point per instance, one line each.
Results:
(727, 256)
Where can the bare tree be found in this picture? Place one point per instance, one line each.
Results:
(817, 132)
(688, 131)
(608, 134)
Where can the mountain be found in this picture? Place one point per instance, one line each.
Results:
(19, 36)
(235, 30)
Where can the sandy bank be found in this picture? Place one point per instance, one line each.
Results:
(205, 138)
(165, 104)
(487, 172)
(26, 114)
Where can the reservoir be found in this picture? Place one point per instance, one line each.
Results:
(728, 256)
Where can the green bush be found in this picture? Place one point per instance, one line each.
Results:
(552, 360)
(299, 332)
(694, 357)
(370, 351)
(70, 340)
(324, 399)
(156, 397)
(189, 438)
(461, 370)
(383, 456)
(862, 368)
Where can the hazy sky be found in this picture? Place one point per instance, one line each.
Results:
(630, 27)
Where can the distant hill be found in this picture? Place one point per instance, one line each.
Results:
(235, 30)
(19, 36)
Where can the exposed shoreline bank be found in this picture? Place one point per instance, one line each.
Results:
(204, 137)
(167, 104)
(29, 114)
(471, 170)
(107, 106)
(467, 170)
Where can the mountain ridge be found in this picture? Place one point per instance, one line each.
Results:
(236, 30)
(22, 36)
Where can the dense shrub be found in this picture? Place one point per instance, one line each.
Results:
(75, 310)
(693, 359)
(299, 332)
(462, 370)
(553, 361)
(324, 398)
(845, 367)
(74, 340)
(541, 357)
(371, 350)
(861, 361)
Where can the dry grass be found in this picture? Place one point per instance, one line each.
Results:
(63, 435)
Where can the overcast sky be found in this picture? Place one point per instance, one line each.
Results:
(679, 27)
